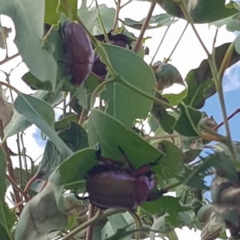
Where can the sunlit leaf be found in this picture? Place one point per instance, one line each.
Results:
(201, 11)
(28, 19)
(120, 99)
(41, 114)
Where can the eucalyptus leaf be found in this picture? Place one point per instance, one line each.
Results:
(28, 18)
(41, 114)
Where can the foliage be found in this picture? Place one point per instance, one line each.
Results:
(113, 95)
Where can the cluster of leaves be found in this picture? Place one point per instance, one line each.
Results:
(130, 92)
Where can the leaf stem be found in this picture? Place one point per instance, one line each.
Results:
(92, 221)
(137, 44)
(155, 100)
(101, 23)
(217, 75)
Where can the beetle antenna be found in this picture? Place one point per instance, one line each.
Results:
(126, 160)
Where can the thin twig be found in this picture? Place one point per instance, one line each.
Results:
(9, 58)
(160, 44)
(93, 220)
(90, 227)
(183, 7)
(137, 44)
(10, 166)
(115, 22)
(179, 39)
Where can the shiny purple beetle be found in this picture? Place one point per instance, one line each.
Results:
(78, 52)
(114, 185)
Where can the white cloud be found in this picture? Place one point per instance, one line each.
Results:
(231, 78)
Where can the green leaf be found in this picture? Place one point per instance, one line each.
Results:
(200, 81)
(19, 123)
(51, 159)
(7, 219)
(237, 44)
(232, 23)
(35, 83)
(171, 163)
(2, 174)
(201, 11)
(169, 204)
(156, 21)
(91, 21)
(120, 99)
(84, 91)
(54, 8)
(28, 17)
(73, 171)
(187, 124)
(43, 214)
(111, 135)
(175, 99)
(41, 114)
(164, 119)
(75, 137)
(65, 122)
(166, 75)
(195, 174)
(117, 222)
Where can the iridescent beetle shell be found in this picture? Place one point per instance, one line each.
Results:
(78, 52)
(112, 185)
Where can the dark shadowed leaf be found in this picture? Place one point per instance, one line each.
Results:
(84, 92)
(200, 81)
(35, 83)
(164, 119)
(201, 11)
(75, 137)
(170, 204)
(187, 123)
(171, 164)
(120, 99)
(65, 122)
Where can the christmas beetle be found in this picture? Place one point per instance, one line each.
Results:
(114, 185)
(78, 52)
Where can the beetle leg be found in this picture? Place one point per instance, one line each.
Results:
(106, 161)
(156, 194)
(80, 198)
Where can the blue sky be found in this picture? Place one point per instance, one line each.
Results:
(231, 87)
